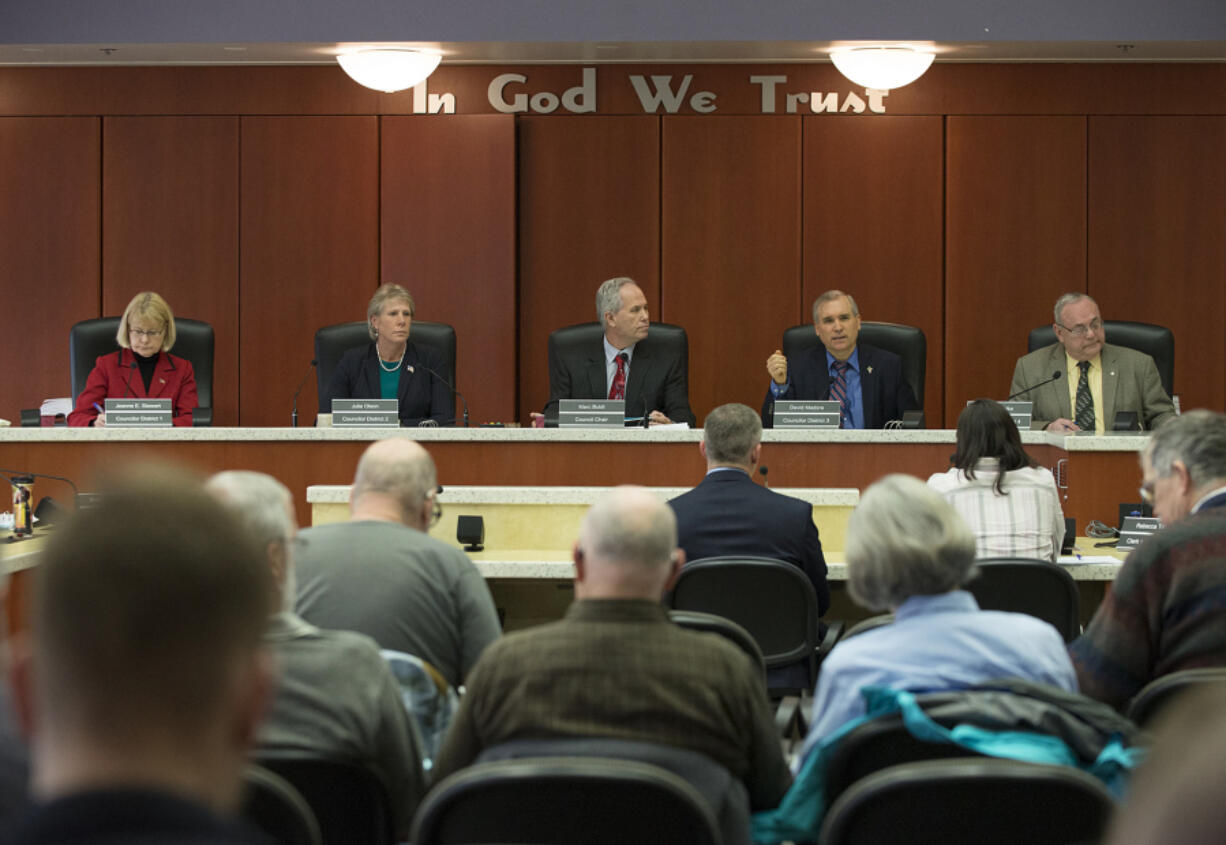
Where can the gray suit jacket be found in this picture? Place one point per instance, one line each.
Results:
(1130, 383)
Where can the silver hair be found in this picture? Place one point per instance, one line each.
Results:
(1067, 300)
(1198, 439)
(904, 540)
(831, 295)
(609, 296)
(730, 432)
(264, 506)
(382, 296)
(408, 480)
(629, 526)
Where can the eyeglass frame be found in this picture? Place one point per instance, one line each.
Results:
(436, 513)
(151, 334)
(1095, 325)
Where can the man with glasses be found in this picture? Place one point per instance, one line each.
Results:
(382, 575)
(1166, 610)
(1097, 379)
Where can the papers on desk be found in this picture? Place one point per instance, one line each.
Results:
(1074, 560)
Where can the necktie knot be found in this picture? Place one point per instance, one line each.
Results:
(840, 368)
(1084, 366)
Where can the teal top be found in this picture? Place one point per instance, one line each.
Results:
(389, 383)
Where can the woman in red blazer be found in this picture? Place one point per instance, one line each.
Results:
(143, 367)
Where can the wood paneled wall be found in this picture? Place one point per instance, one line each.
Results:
(272, 201)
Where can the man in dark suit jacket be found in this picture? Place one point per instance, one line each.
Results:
(876, 391)
(652, 380)
(728, 514)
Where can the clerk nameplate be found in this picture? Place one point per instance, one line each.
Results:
(138, 413)
(591, 413)
(1135, 529)
(791, 413)
(365, 413)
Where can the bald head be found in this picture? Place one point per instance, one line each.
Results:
(627, 547)
(394, 483)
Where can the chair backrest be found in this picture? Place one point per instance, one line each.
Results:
(774, 601)
(869, 624)
(971, 800)
(559, 801)
(331, 342)
(194, 342)
(696, 620)
(1158, 342)
(271, 805)
(907, 342)
(1038, 588)
(349, 800)
(427, 697)
(1159, 693)
(725, 794)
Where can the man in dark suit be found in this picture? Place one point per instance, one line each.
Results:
(1101, 379)
(866, 381)
(626, 365)
(728, 514)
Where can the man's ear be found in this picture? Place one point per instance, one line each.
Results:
(1180, 471)
(702, 448)
(580, 563)
(674, 571)
(755, 455)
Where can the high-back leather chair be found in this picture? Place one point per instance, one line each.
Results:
(907, 342)
(1038, 588)
(194, 342)
(1158, 342)
(349, 799)
(272, 806)
(332, 342)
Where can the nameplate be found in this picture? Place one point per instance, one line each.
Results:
(1134, 530)
(365, 413)
(1022, 413)
(591, 413)
(139, 413)
(791, 413)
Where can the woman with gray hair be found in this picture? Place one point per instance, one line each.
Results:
(393, 367)
(909, 552)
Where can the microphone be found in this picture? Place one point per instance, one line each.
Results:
(293, 417)
(450, 387)
(127, 382)
(67, 481)
(1054, 376)
(762, 472)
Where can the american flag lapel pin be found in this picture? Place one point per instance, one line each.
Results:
(870, 369)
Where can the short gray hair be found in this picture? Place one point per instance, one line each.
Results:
(832, 295)
(609, 296)
(1198, 439)
(730, 432)
(905, 540)
(380, 299)
(629, 526)
(1067, 300)
(408, 477)
(262, 503)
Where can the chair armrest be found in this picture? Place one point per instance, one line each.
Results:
(834, 631)
(31, 418)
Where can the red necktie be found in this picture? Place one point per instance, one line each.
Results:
(617, 390)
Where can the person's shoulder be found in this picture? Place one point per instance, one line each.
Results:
(356, 353)
(947, 480)
(1041, 354)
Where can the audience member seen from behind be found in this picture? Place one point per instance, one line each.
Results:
(1010, 503)
(616, 667)
(392, 366)
(1176, 795)
(1165, 610)
(146, 677)
(909, 552)
(336, 697)
(382, 575)
(142, 368)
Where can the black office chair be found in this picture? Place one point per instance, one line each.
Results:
(772, 600)
(560, 801)
(710, 623)
(1004, 802)
(869, 624)
(271, 805)
(1158, 342)
(332, 342)
(89, 339)
(1038, 588)
(349, 800)
(725, 794)
(1158, 694)
(907, 342)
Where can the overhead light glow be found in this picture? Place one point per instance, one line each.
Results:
(884, 67)
(389, 69)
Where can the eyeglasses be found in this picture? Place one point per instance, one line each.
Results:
(437, 513)
(1095, 326)
(1146, 491)
(149, 334)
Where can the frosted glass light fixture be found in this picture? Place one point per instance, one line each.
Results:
(389, 69)
(884, 67)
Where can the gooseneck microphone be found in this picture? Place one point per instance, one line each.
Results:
(1054, 376)
(450, 387)
(127, 382)
(67, 481)
(294, 414)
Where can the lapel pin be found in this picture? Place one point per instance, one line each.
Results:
(870, 369)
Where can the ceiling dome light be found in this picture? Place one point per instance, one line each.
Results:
(883, 67)
(389, 69)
